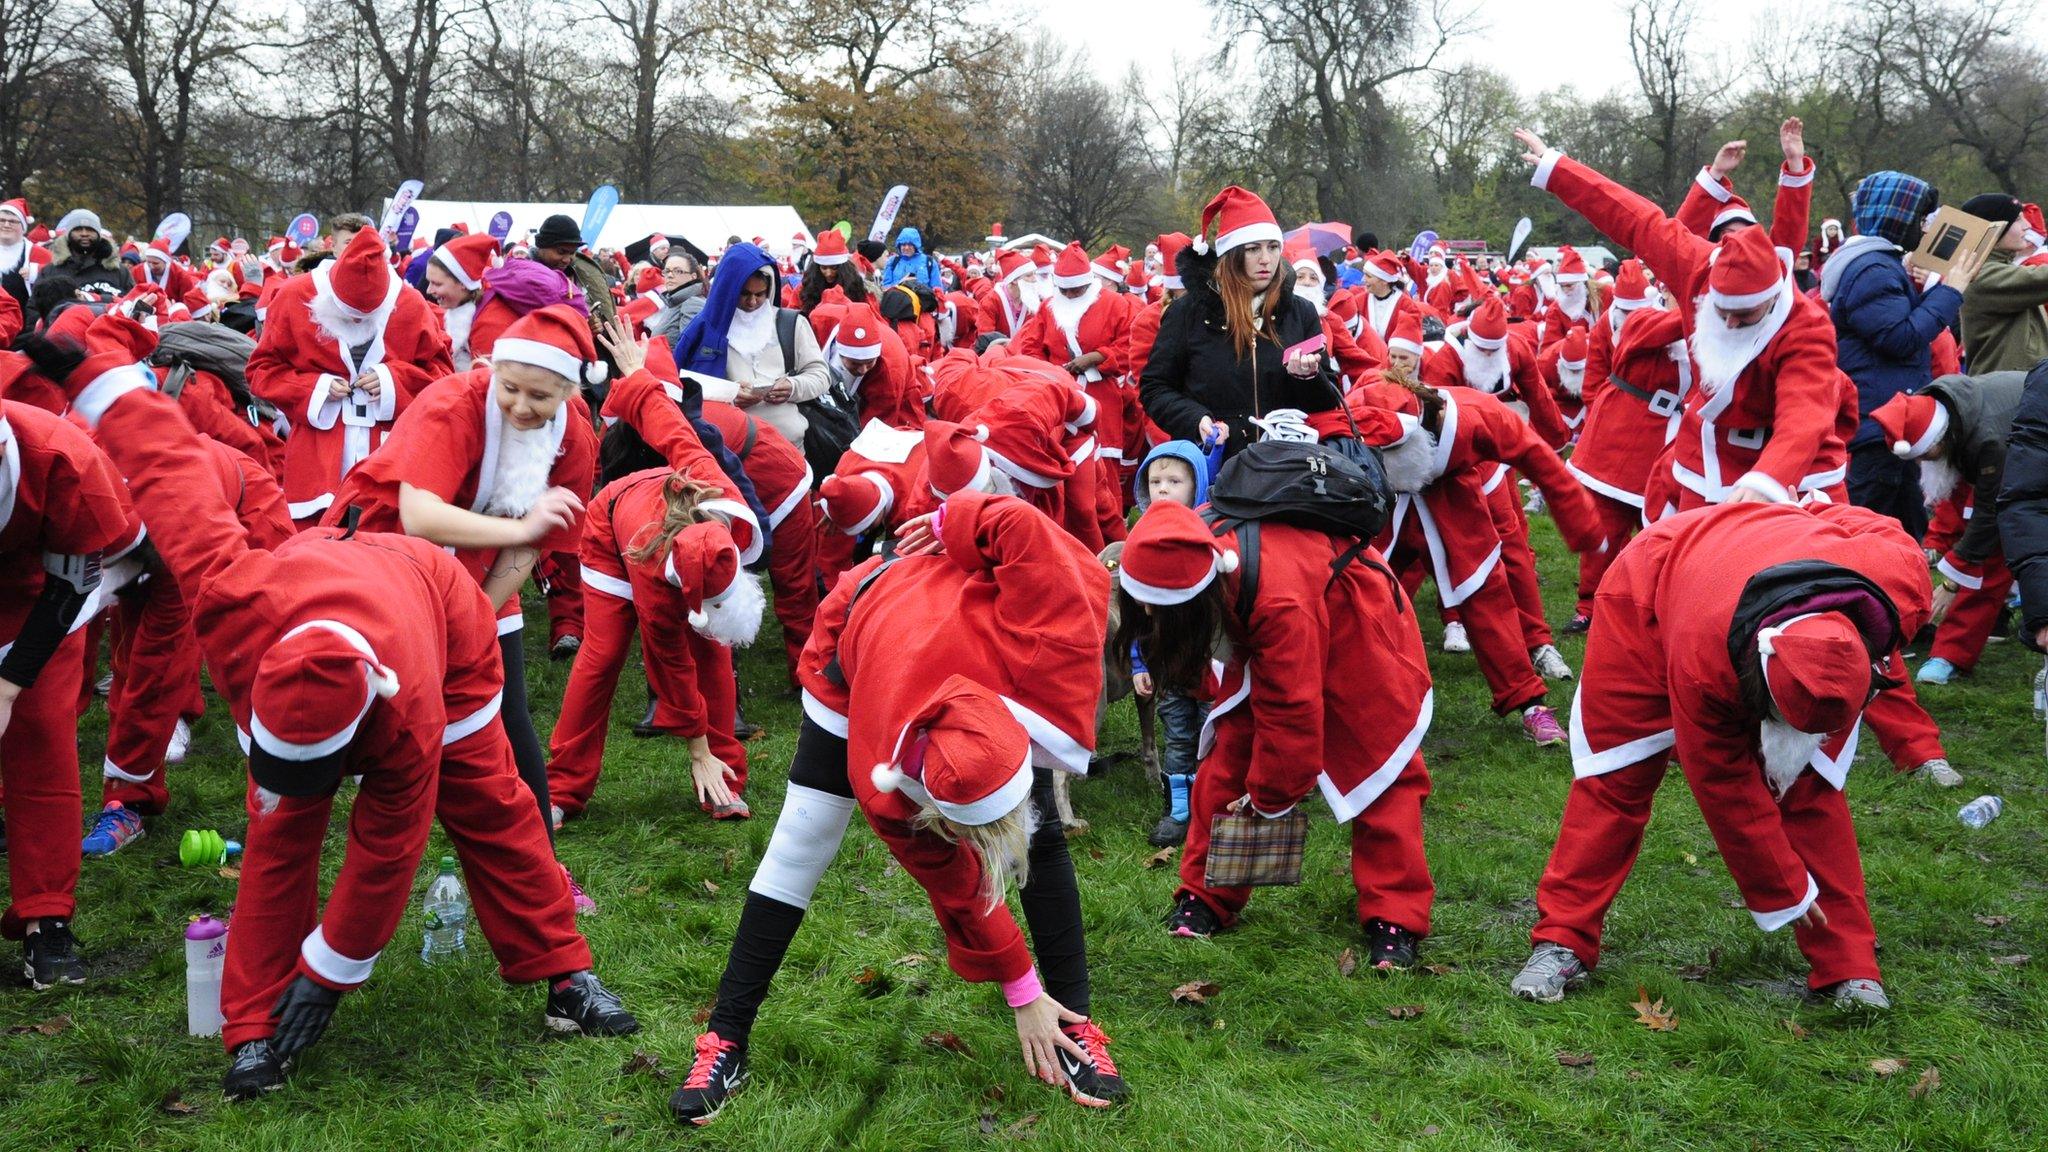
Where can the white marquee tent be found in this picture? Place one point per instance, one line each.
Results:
(706, 226)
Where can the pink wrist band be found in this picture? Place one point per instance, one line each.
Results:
(1023, 990)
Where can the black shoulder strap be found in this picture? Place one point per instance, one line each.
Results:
(175, 379)
(832, 671)
(785, 331)
(1247, 556)
(753, 434)
(350, 517)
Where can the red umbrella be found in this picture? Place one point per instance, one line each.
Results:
(1326, 237)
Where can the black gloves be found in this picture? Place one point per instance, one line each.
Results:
(302, 1014)
(55, 357)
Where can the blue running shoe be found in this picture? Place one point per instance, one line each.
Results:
(1935, 671)
(112, 828)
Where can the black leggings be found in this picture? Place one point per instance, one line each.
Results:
(1051, 903)
(526, 749)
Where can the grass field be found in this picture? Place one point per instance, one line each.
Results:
(1288, 1053)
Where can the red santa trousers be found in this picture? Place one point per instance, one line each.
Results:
(1620, 522)
(1908, 735)
(1963, 632)
(156, 681)
(792, 574)
(1518, 557)
(516, 889)
(39, 775)
(1387, 863)
(565, 598)
(1492, 623)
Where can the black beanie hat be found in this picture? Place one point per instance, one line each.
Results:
(557, 230)
(1997, 207)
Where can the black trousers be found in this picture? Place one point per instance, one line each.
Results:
(1880, 481)
(526, 750)
(1051, 902)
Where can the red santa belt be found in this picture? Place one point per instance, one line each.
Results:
(1662, 402)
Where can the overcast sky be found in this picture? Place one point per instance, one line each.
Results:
(1538, 45)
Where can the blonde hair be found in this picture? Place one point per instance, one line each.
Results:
(681, 496)
(1004, 845)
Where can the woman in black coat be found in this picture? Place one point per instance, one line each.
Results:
(1232, 348)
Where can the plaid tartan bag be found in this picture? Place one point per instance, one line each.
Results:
(1246, 850)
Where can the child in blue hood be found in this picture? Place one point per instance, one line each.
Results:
(1178, 471)
(912, 262)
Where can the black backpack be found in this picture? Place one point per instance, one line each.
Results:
(1338, 487)
(832, 420)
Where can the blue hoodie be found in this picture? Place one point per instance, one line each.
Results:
(921, 267)
(1183, 450)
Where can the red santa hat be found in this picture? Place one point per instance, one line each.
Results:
(1817, 669)
(2036, 228)
(361, 278)
(831, 248)
(1023, 432)
(39, 235)
(1571, 267)
(158, 252)
(1135, 276)
(1488, 327)
(1735, 209)
(1235, 217)
(1913, 424)
(1073, 268)
(639, 310)
(994, 239)
(1746, 271)
(723, 601)
(1171, 556)
(312, 689)
(965, 752)
(556, 338)
(467, 258)
(647, 281)
(1405, 333)
(860, 335)
(1300, 254)
(1041, 259)
(1384, 266)
(853, 503)
(1111, 264)
(1170, 245)
(1013, 266)
(17, 208)
(1631, 286)
(1573, 352)
(799, 240)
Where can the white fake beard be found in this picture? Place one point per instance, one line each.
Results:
(1723, 352)
(350, 331)
(524, 460)
(1067, 312)
(1000, 483)
(1786, 752)
(1438, 274)
(1571, 300)
(735, 620)
(1411, 464)
(1485, 371)
(1572, 379)
(1313, 296)
(1938, 478)
(1031, 293)
(457, 321)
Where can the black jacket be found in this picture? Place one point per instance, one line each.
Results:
(1194, 370)
(2023, 503)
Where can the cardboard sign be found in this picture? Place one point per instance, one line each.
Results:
(1951, 233)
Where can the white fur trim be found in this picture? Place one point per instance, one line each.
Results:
(540, 354)
(1789, 179)
(1763, 483)
(1772, 921)
(1018, 472)
(1936, 429)
(1545, 165)
(511, 623)
(1738, 303)
(1081, 281)
(1587, 762)
(857, 352)
(1947, 567)
(607, 583)
(1732, 212)
(731, 510)
(1409, 346)
(791, 502)
(94, 400)
(995, 805)
(307, 509)
(473, 723)
(1483, 343)
(1712, 187)
(830, 261)
(1345, 806)
(1252, 233)
(1152, 594)
(113, 771)
(823, 716)
(332, 966)
(453, 267)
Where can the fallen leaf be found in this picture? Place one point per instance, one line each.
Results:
(1439, 969)
(231, 873)
(700, 1016)
(1162, 857)
(1094, 853)
(988, 1123)
(50, 1027)
(1404, 1011)
(177, 1107)
(1218, 1025)
(1430, 1129)
(2015, 959)
(873, 982)
(1196, 992)
(643, 1061)
(1696, 972)
(711, 888)
(1653, 1016)
(1928, 1082)
(947, 1041)
(1347, 962)
(1575, 1059)
(1993, 921)
(1691, 859)
(639, 889)
(1793, 1027)
(1887, 1066)
(866, 976)
(912, 960)
(1018, 1128)
(995, 1092)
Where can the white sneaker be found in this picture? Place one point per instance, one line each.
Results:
(1938, 772)
(1552, 970)
(1454, 638)
(1859, 996)
(181, 743)
(1550, 663)
(555, 815)
(1534, 505)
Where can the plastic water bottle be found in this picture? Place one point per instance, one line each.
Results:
(447, 908)
(1981, 811)
(206, 954)
(2041, 694)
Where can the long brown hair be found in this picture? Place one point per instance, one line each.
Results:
(1177, 639)
(681, 497)
(1235, 286)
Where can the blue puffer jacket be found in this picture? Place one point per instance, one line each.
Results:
(920, 267)
(1883, 324)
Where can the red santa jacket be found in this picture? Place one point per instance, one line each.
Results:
(1359, 358)
(997, 314)
(1377, 313)
(963, 311)
(252, 494)
(780, 474)
(420, 612)
(65, 498)
(1670, 682)
(1772, 429)
(1706, 197)
(1308, 642)
(446, 443)
(893, 460)
(1634, 412)
(1105, 327)
(296, 360)
(211, 409)
(893, 390)
(1026, 610)
(1568, 399)
(648, 406)
(1522, 388)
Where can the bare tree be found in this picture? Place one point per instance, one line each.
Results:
(1177, 115)
(407, 39)
(36, 50)
(654, 35)
(1991, 92)
(1083, 167)
(1679, 91)
(1471, 111)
